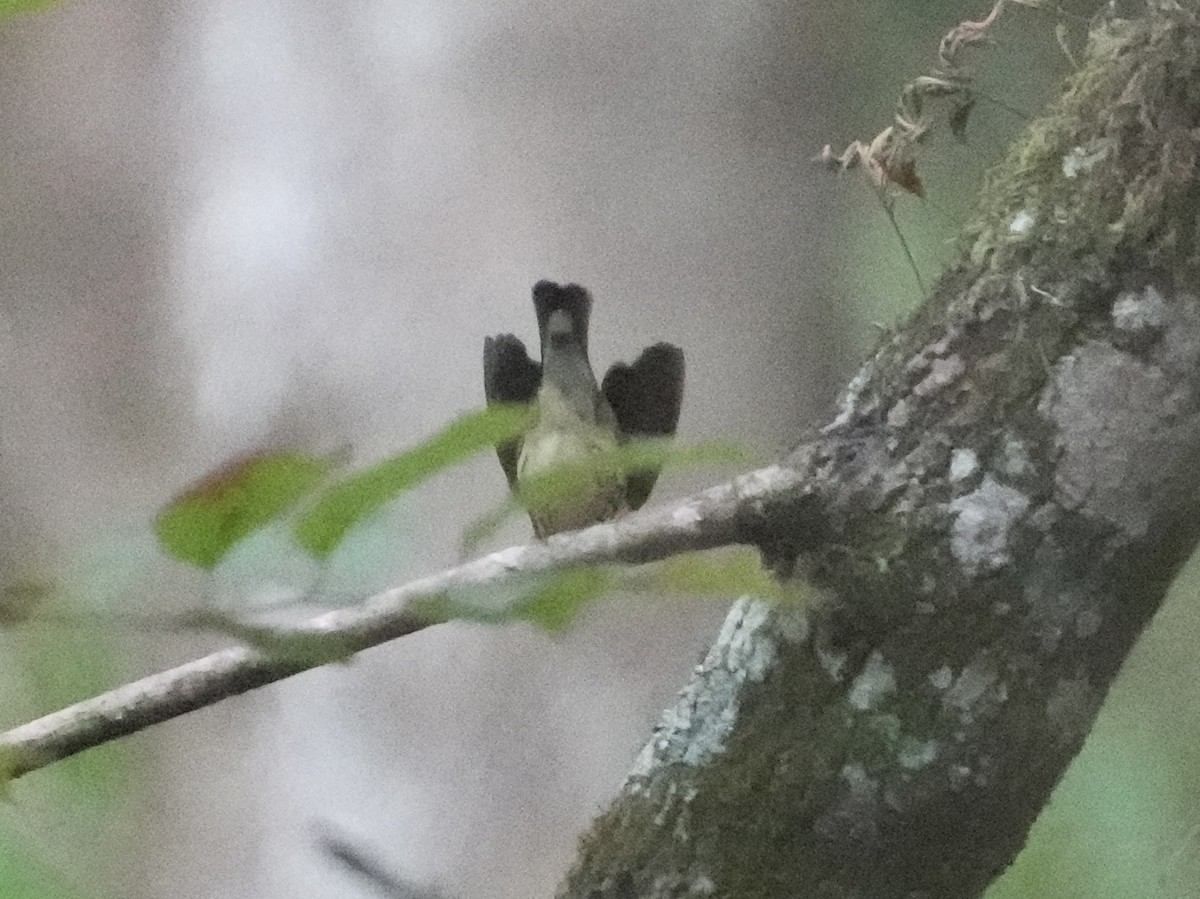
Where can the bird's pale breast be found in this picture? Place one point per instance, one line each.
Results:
(560, 439)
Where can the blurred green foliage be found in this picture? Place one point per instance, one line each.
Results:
(27, 873)
(736, 571)
(82, 802)
(227, 506)
(12, 7)
(351, 501)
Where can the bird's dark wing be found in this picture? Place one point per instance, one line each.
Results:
(509, 376)
(645, 397)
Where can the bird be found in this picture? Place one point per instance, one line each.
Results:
(577, 419)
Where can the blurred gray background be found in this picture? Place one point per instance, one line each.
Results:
(229, 225)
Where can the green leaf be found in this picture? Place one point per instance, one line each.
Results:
(344, 505)
(12, 7)
(551, 601)
(556, 603)
(306, 649)
(733, 573)
(202, 524)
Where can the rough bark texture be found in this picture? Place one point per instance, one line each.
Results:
(1010, 487)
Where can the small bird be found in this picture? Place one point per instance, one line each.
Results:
(576, 418)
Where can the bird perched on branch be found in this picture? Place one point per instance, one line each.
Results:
(576, 419)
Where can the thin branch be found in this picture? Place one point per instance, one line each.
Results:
(707, 520)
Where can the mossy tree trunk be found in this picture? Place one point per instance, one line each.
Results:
(997, 512)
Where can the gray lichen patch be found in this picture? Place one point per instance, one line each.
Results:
(977, 689)
(1021, 223)
(1118, 462)
(874, 684)
(850, 405)
(694, 730)
(942, 373)
(942, 678)
(898, 416)
(983, 523)
(832, 663)
(916, 754)
(1138, 312)
(964, 462)
(1014, 461)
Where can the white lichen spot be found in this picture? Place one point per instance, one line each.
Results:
(686, 516)
(984, 519)
(1001, 608)
(507, 559)
(942, 678)
(1080, 160)
(964, 462)
(1021, 223)
(923, 607)
(702, 886)
(916, 754)
(875, 683)
(960, 776)
(898, 415)
(848, 405)
(1087, 624)
(1137, 312)
(942, 373)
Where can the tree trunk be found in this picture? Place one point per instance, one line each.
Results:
(991, 520)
